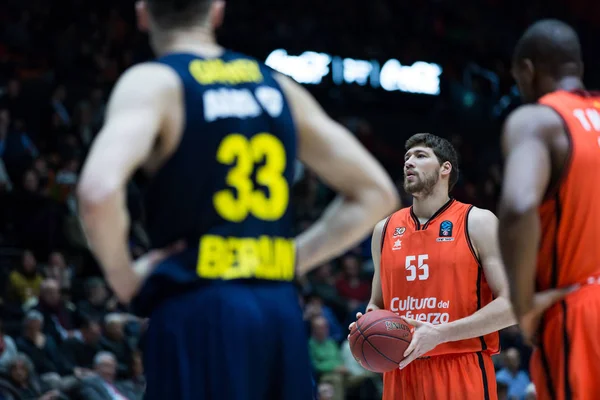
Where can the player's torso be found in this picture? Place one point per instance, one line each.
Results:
(429, 272)
(226, 189)
(569, 252)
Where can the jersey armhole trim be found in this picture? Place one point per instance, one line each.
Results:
(562, 175)
(479, 271)
(469, 242)
(384, 230)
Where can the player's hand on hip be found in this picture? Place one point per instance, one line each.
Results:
(370, 307)
(530, 322)
(426, 337)
(146, 263)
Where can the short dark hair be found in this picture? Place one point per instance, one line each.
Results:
(443, 150)
(549, 44)
(172, 14)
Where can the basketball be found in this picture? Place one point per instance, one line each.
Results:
(379, 339)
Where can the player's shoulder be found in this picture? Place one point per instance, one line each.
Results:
(480, 215)
(480, 220)
(149, 76)
(531, 120)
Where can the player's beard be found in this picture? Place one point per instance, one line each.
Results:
(421, 186)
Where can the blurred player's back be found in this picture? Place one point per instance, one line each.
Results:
(569, 251)
(552, 166)
(225, 320)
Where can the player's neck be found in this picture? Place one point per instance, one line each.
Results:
(569, 83)
(424, 206)
(197, 40)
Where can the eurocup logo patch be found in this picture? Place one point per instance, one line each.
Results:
(446, 229)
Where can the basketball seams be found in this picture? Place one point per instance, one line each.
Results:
(362, 332)
(377, 350)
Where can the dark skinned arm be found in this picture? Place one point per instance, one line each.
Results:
(526, 146)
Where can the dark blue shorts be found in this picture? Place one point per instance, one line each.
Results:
(229, 341)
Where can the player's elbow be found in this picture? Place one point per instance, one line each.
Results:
(385, 197)
(92, 193)
(514, 209)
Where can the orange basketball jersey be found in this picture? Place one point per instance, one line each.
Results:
(570, 216)
(430, 272)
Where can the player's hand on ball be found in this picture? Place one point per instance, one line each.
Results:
(370, 307)
(426, 337)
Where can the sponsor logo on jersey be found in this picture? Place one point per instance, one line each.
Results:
(397, 245)
(399, 232)
(427, 309)
(229, 103)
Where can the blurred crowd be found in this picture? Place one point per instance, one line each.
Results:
(62, 333)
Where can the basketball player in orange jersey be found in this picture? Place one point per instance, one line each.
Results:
(550, 210)
(438, 265)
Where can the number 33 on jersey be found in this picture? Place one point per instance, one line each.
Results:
(430, 272)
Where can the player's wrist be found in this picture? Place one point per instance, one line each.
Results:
(443, 332)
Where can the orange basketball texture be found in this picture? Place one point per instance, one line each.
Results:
(379, 339)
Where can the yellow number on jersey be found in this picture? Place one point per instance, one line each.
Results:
(239, 152)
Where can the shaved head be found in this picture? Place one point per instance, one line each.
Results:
(547, 58)
(551, 45)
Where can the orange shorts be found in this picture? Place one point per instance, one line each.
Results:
(447, 377)
(566, 365)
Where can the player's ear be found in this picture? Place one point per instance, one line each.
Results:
(446, 168)
(141, 12)
(528, 70)
(217, 13)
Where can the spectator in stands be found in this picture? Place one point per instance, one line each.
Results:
(322, 282)
(114, 341)
(25, 282)
(8, 350)
(530, 393)
(59, 316)
(16, 147)
(314, 308)
(502, 390)
(58, 269)
(96, 304)
(512, 375)
(102, 385)
(326, 357)
(350, 284)
(326, 391)
(365, 384)
(79, 353)
(22, 376)
(41, 349)
(137, 384)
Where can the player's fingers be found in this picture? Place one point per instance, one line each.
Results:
(359, 315)
(176, 247)
(351, 325)
(412, 322)
(411, 347)
(408, 360)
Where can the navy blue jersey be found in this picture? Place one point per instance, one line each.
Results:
(226, 189)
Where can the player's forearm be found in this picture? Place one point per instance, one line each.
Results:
(519, 234)
(343, 224)
(493, 317)
(105, 224)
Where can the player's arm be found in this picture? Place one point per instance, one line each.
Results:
(376, 301)
(135, 116)
(497, 315)
(367, 193)
(527, 174)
